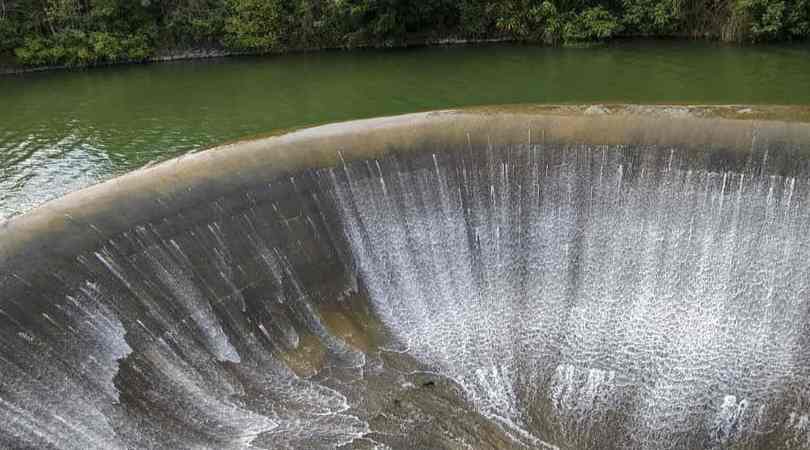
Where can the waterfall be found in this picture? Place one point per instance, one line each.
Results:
(593, 282)
(457, 293)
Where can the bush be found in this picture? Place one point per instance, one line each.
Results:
(194, 22)
(772, 20)
(765, 18)
(77, 48)
(651, 17)
(319, 25)
(476, 17)
(799, 20)
(256, 24)
(81, 32)
(9, 35)
(592, 24)
(530, 20)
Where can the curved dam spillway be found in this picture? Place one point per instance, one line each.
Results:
(535, 278)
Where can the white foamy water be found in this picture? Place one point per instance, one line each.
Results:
(591, 285)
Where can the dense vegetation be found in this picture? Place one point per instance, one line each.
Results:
(82, 32)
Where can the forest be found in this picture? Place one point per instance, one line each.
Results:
(88, 32)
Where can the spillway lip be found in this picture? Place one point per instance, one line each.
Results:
(92, 214)
(781, 113)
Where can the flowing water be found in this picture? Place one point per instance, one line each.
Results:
(605, 297)
(61, 131)
(535, 296)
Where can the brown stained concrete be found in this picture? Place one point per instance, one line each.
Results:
(307, 358)
(351, 320)
(785, 113)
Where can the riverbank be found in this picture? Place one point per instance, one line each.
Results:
(83, 33)
(9, 66)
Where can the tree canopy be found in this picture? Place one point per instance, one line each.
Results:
(86, 32)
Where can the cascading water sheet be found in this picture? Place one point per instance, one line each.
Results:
(597, 294)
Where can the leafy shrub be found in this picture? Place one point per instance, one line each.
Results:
(798, 22)
(256, 24)
(82, 32)
(530, 20)
(77, 48)
(592, 24)
(765, 17)
(651, 16)
(195, 22)
(9, 35)
(771, 20)
(476, 17)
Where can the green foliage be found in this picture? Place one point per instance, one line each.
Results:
(86, 32)
(798, 19)
(766, 18)
(591, 25)
(257, 24)
(771, 20)
(77, 48)
(318, 25)
(534, 20)
(530, 20)
(651, 17)
(390, 22)
(9, 35)
(477, 17)
(63, 15)
(80, 32)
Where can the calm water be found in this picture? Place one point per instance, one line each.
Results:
(60, 131)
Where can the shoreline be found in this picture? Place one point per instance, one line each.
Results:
(449, 41)
(211, 53)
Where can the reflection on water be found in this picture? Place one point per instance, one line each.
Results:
(37, 169)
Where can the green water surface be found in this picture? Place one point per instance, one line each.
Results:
(60, 131)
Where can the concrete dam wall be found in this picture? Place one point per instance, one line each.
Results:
(550, 277)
